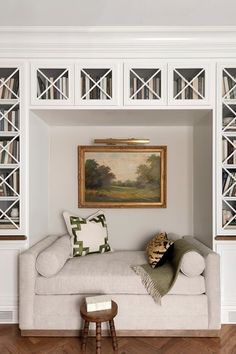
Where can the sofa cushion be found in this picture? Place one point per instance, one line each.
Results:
(158, 250)
(52, 259)
(88, 235)
(109, 273)
(192, 264)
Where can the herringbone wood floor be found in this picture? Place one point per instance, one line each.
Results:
(12, 343)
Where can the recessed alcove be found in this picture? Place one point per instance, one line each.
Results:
(54, 137)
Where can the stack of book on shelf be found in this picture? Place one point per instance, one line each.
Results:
(98, 303)
(147, 92)
(227, 86)
(229, 149)
(190, 92)
(11, 122)
(11, 150)
(229, 184)
(50, 90)
(99, 91)
(12, 180)
(9, 86)
(5, 223)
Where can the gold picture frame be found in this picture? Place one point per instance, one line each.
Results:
(122, 176)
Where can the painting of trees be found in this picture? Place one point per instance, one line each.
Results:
(97, 176)
(115, 175)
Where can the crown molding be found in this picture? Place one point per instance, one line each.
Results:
(118, 41)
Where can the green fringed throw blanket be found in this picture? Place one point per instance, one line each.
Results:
(159, 281)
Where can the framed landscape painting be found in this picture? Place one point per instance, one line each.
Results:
(120, 176)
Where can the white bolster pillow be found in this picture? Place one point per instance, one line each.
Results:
(50, 261)
(193, 264)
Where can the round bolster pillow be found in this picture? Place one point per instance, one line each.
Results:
(50, 261)
(193, 264)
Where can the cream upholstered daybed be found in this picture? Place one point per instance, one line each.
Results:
(49, 305)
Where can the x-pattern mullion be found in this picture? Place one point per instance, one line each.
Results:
(234, 86)
(4, 148)
(145, 83)
(52, 83)
(233, 217)
(3, 82)
(4, 213)
(4, 116)
(189, 83)
(4, 181)
(96, 83)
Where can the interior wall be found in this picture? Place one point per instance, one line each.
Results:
(121, 13)
(128, 228)
(202, 187)
(38, 178)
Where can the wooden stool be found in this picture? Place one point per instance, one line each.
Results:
(98, 317)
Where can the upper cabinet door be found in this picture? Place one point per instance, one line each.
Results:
(97, 83)
(189, 84)
(52, 83)
(145, 83)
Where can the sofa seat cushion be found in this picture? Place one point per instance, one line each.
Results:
(109, 273)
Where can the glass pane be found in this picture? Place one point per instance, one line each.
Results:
(96, 84)
(9, 83)
(52, 84)
(229, 117)
(229, 214)
(229, 83)
(189, 84)
(9, 151)
(9, 118)
(9, 182)
(9, 214)
(145, 84)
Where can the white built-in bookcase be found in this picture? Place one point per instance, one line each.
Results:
(12, 151)
(170, 74)
(226, 149)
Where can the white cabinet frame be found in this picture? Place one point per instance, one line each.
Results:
(204, 68)
(112, 67)
(67, 68)
(159, 67)
(223, 133)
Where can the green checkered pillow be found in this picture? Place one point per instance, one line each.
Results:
(87, 235)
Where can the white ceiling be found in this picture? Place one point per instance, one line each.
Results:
(118, 12)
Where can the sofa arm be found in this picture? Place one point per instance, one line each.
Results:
(27, 275)
(212, 281)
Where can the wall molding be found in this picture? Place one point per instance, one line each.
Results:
(118, 41)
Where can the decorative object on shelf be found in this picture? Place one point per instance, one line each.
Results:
(129, 141)
(14, 213)
(119, 176)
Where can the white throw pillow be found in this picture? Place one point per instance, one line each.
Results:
(88, 235)
(50, 261)
(193, 264)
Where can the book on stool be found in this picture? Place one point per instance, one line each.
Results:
(98, 303)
